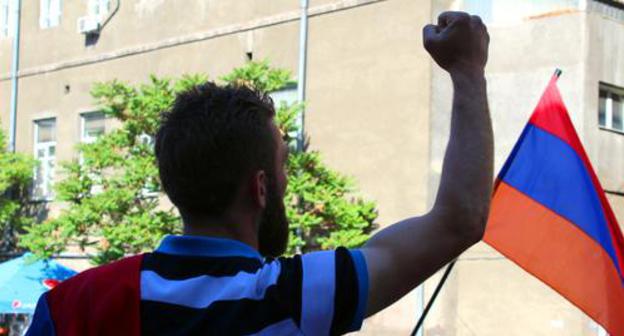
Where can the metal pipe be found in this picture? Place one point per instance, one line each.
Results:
(301, 78)
(421, 320)
(14, 74)
(614, 192)
(110, 16)
(421, 305)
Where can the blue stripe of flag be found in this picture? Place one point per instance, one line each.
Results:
(548, 170)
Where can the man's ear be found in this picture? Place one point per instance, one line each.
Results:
(259, 188)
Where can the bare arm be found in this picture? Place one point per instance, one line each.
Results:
(405, 254)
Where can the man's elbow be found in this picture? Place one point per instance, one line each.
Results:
(475, 225)
(467, 224)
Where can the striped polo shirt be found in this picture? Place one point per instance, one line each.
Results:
(193, 285)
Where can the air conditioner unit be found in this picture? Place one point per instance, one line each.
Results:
(88, 25)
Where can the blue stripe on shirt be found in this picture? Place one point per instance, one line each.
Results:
(188, 245)
(42, 324)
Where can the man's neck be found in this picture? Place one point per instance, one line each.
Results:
(242, 233)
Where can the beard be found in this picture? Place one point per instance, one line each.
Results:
(273, 230)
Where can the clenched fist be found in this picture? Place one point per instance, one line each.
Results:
(458, 43)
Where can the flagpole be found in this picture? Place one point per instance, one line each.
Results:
(557, 72)
(433, 297)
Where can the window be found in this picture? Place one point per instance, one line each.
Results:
(45, 153)
(287, 97)
(602, 107)
(6, 18)
(49, 13)
(611, 107)
(151, 188)
(91, 126)
(99, 9)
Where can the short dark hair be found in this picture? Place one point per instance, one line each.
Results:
(209, 141)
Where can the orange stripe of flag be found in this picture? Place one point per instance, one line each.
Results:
(558, 253)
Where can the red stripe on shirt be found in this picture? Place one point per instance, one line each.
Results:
(104, 300)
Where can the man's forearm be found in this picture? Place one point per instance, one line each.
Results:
(413, 249)
(467, 172)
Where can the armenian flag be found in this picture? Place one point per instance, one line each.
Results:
(550, 216)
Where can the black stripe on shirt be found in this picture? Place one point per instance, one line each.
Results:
(175, 267)
(237, 317)
(290, 286)
(346, 295)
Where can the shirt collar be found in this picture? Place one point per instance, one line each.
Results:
(206, 246)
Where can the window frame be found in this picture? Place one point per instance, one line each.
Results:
(289, 96)
(98, 9)
(148, 140)
(610, 90)
(95, 188)
(50, 12)
(83, 119)
(46, 182)
(6, 26)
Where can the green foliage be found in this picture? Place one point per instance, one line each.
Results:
(259, 75)
(111, 193)
(16, 173)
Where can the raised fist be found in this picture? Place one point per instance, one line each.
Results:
(458, 43)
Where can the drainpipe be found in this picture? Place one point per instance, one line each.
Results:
(301, 84)
(14, 78)
(110, 16)
(420, 307)
(301, 80)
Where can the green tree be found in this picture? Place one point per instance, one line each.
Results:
(16, 213)
(112, 192)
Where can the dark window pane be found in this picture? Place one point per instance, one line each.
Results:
(616, 113)
(46, 130)
(93, 125)
(602, 108)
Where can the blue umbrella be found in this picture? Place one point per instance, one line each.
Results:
(23, 280)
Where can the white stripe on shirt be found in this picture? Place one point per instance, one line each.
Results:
(200, 292)
(318, 289)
